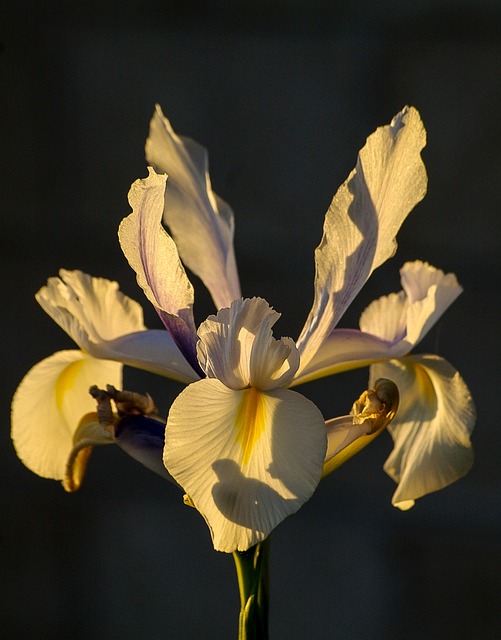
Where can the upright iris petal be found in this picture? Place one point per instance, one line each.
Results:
(362, 222)
(152, 254)
(201, 223)
(247, 452)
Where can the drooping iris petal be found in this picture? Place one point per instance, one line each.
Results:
(390, 326)
(237, 347)
(247, 459)
(153, 255)
(89, 309)
(49, 404)
(362, 222)
(431, 431)
(200, 222)
(107, 324)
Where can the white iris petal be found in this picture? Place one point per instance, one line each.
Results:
(201, 223)
(362, 222)
(247, 458)
(432, 428)
(48, 406)
(247, 452)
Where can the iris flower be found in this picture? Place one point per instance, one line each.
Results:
(247, 449)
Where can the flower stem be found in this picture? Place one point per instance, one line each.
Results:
(253, 584)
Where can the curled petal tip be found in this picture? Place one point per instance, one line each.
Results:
(376, 408)
(90, 432)
(369, 416)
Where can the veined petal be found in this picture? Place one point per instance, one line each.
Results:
(90, 310)
(153, 255)
(408, 315)
(386, 317)
(431, 431)
(247, 459)
(49, 404)
(362, 222)
(200, 222)
(237, 347)
(430, 292)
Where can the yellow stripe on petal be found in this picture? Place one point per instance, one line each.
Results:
(250, 421)
(66, 381)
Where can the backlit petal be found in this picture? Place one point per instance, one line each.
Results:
(363, 220)
(247, 459)
(90, 310)
(153, 255)
(237, 347)
(431, 431)
(430, 292)
(49, 404)
(200, 222)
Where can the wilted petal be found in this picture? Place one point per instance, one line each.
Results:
(88, 434)
(153, 255)
(431, 431)
(200, 222)
(49, 405)
(363, 220)
(237, 347)
(370, 414)
(91, 310)
(247, 459)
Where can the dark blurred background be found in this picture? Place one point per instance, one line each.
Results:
(283, 94)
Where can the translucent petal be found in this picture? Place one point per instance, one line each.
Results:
(386, 317)
(90, 310)
(431, 431)
(49, 404)
(430, 292)
(363, 220)
(200, 222)
(247, 459)
(237, 347)
(153, 255)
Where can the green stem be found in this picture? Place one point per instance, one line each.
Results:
(253, 583)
